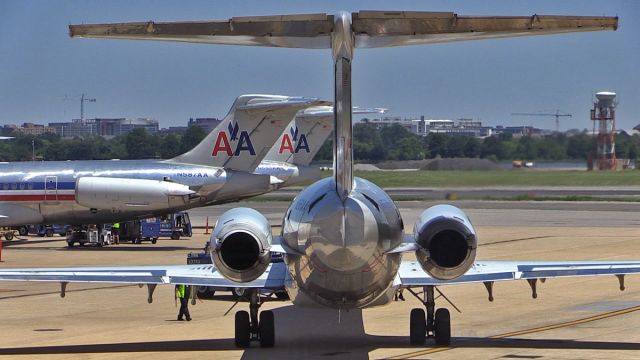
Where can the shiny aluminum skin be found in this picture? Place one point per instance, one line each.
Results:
(458, 242)
(342, 246)
(251, 233)
(213, 185)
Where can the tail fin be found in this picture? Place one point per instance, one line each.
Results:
(305, 135)
(247, 133)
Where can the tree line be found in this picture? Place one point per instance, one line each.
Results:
(397, 143)
(370, 145)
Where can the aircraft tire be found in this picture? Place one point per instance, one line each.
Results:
(175, 235)
(243, 329)
(23, 231)
(267, 329)
(442, 327)
(8, 235)
(417, 327)
(49, 233)
(154, 240)
(70, 244)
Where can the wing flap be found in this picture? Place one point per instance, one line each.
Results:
(201, 275)
(399, 28)
(411, 273)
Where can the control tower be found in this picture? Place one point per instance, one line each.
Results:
(603, 115)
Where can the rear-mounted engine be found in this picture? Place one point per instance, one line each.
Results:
(447, 242)
(241, 243)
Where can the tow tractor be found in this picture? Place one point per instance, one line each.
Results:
(94, 235)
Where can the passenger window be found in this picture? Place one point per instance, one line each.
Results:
(14, 186)
(30, 186)
(5, 186)
(22, 186)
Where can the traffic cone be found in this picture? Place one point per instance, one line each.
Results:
(206, 227)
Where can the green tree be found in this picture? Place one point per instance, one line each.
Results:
(139, 144)
(191, 138)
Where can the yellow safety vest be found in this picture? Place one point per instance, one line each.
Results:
(115, 226)
(180, 289)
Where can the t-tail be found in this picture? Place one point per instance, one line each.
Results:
(247, 133)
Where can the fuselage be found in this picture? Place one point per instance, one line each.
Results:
(45, 192)
(343, 246)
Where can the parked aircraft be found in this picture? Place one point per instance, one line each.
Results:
(218, 170)
(289, 158)
(342, 237)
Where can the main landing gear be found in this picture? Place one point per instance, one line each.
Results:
(250, 326)
(435, 324)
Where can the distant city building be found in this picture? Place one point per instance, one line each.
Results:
(28, 129)
(107, 128)
(423, 127)
(206, 124)
(174, 130)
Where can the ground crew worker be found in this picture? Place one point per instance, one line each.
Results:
(182, 292)
(115, 233)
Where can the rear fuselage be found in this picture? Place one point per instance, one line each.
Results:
(343, 246)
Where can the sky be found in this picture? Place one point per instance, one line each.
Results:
(43, 71)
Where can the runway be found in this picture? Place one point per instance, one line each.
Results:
(571, 318)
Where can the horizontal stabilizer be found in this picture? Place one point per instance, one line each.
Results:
(371, 28)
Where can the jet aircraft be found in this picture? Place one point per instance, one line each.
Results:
(289, 158)
(217, 170)
(342, 237)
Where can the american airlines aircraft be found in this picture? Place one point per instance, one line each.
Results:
(218, 170)
(342, 237)
(289, 159)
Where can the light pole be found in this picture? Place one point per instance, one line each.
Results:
(33, 149)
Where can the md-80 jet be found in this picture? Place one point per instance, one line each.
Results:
(219, 169)
(342, 237)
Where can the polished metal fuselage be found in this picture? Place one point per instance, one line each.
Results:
(339, 249)
(44, 192)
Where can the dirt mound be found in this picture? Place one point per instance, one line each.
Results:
(405, 164)
(365, 167)
(461, 164)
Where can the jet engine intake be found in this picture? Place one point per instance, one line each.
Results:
(240, 244)
(447, 242)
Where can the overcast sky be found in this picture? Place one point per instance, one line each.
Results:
(43, 72)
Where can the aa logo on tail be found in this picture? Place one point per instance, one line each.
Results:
(292, 137)
(241, 141)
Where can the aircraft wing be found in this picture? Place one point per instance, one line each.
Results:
(411, 273)
(201, 275)
(372, 29)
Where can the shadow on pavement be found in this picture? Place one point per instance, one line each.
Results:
(317, 333)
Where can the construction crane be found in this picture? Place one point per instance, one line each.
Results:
(557, 115)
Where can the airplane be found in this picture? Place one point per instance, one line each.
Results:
(289, 158)
(342, 237)
(6, 137)
(217, 170)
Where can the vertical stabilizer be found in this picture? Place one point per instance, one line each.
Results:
(247, 133)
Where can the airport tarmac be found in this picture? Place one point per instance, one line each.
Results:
(580, 318)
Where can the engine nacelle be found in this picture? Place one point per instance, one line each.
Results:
(447, 240)
(240, 244)
(127, 194)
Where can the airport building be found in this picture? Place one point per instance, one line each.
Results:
(206, 124)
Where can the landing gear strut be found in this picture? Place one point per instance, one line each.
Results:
(435, 324)
(253, 325)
